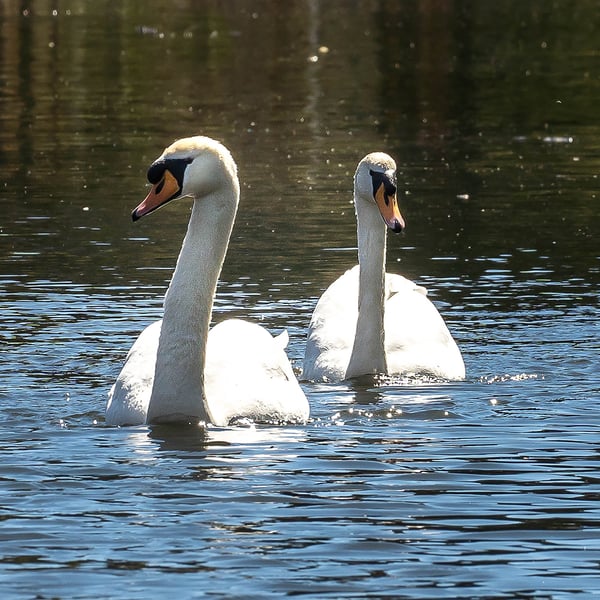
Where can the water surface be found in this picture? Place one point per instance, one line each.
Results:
(482, 488)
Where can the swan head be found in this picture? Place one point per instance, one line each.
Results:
(375, 183)
(195, 166)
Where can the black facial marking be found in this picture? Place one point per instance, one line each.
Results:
(177, 167)
(388, 181)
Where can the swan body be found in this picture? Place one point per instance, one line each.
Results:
(371, 322)
(178, 371)
(264, 387)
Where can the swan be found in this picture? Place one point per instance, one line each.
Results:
(372, 322)
(178, 371)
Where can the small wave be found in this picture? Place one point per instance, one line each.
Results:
(408, 379)
(508, 377)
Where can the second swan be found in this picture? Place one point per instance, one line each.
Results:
(371, 322)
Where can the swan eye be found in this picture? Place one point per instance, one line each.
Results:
(387, 180)
(156, 171)
(177, 166)
(390, 188)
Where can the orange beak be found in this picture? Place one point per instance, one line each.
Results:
(388, 207)
(160, 193)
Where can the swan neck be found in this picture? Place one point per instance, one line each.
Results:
(368, 352)
(178, 388)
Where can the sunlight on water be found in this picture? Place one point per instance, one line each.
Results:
(397, 487)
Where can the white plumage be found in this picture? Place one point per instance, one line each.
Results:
(178, 371)
(372, 322)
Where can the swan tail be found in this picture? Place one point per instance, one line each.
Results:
(283, 339)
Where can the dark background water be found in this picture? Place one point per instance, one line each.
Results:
(483, 488)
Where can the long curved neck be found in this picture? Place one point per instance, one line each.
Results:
(368, 352)
(178, 388)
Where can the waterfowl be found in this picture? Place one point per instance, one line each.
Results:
(371, 322)
(177, 370)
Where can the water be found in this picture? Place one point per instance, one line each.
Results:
(485, 488)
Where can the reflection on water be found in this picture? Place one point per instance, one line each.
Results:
(197, 437)
(396, 488)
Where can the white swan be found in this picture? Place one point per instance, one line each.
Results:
(369, 321)
(177, 371)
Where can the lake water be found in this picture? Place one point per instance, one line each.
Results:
(487, 488)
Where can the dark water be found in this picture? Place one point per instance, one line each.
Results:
(483, 488)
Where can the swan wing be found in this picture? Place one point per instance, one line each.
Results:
(332, 329)
(417, 339)
(129, 397)
(248, 375)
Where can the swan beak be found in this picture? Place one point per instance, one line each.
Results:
(160, 193)
(388, 207)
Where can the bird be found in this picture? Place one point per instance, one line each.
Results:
(179, 371)
(369, 322)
